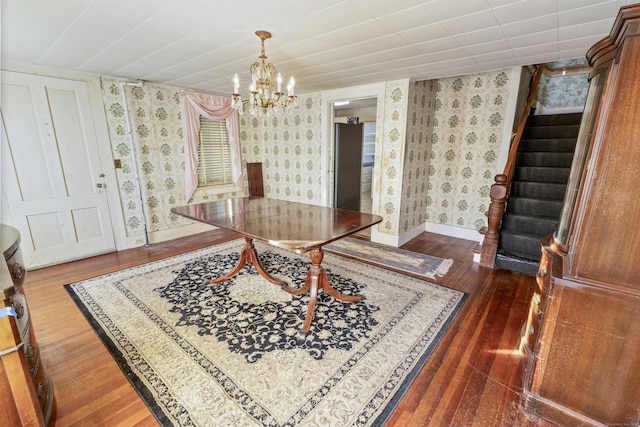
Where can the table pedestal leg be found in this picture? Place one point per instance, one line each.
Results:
(249, 255)
(316, 279)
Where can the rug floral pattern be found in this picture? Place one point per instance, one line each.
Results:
(254, 318)
(192, 374)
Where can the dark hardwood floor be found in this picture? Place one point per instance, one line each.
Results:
(474, 377)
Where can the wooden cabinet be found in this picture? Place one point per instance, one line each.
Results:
(26, 391)
(582, 336)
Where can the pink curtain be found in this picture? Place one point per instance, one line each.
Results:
(213, 107)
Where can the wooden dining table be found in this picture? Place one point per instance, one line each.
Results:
(298, 227)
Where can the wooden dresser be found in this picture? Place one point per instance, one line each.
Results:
(583, 331)
(26, 392)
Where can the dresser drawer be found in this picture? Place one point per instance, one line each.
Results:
(531, 332)
(537, 306)
(543, 275)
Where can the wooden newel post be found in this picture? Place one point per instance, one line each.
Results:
(498, 196)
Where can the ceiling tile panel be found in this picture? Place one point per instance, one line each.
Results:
(405, 19)
(583, 14)
(539, 59)
(549, 36)
(449, 9)
(380, 8)
(468, 23)
(24, 31)
(574, 44)
(439, 45)
(495, 56)
(447, 55)
(533, 25)
(610, 5)
(425, 33)
(498, 65)
(482, 48)
(490, 34)
(363, 31)
(585, 30)
(401, 53)
(516, 11)
(540, 49)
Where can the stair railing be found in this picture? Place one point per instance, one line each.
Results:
(501, 189)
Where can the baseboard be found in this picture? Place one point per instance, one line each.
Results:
(452, 231)
(551, 411)
(477, 253)
(411, 234)
(385, 239)
(431, 227)
(176, 232)
(138, 240)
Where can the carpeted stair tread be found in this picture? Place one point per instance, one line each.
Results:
(525, 246)
(542, 174)
(512, 263)
(545, 132)
(555, 145)
(554, 119)
(534, 207)
(538, 190)
(534, 225)
(539, 158)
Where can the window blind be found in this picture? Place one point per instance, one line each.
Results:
(214, 154)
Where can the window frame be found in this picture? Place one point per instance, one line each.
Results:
(219, 142)
(214, 154)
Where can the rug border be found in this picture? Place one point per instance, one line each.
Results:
(135, 381)
(393, 403)
(147, 397)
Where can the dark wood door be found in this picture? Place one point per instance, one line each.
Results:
(254, 174)
(347, 166)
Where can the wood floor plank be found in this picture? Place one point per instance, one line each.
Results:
(474, 376)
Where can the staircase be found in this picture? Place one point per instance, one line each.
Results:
(540, 179)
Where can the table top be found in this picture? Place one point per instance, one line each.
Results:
(290, 225)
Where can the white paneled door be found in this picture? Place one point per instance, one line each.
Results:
(51, 172)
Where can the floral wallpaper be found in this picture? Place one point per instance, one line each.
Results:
(563, 92)
(155, 151)
(390, 147)
(289, 148)
(123, 149)
(436, 151)
(420, 118)
(468, 127)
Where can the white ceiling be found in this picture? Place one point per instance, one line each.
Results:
(324, 44)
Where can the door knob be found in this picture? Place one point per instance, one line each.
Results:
(101, 185)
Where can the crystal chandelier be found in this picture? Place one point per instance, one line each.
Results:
(263, 96)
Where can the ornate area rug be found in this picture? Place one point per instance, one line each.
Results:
(399, 259)
(226, 355)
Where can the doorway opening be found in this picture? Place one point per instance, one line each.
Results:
(354, 123)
